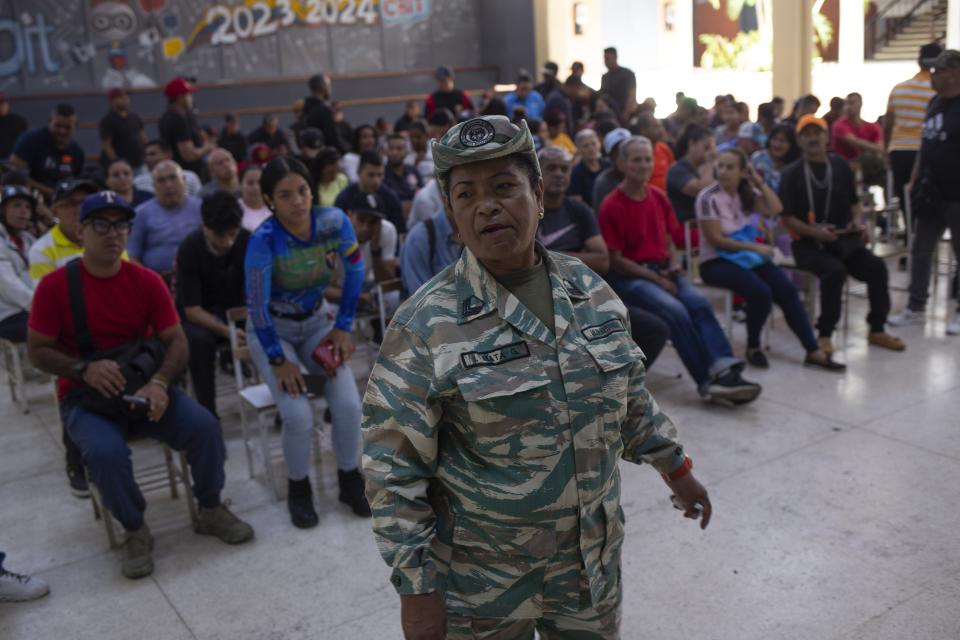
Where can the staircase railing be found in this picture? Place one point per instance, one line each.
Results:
(883, 25)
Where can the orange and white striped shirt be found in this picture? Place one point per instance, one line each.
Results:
(908, 101)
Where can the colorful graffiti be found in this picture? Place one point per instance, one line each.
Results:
(49, 44)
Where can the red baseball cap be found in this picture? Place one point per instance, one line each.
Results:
(115, 93)
(3, 97)
(178, 87)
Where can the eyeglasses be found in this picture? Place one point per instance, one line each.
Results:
(103, 227)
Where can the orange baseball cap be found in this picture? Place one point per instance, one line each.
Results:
(809, 119)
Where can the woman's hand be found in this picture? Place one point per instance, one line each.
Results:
(341, 344)
(691, 497)
(754, 177)
(763, 249)
(289, 378)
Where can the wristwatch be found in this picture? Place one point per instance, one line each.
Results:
(276, 361)
(80, 368)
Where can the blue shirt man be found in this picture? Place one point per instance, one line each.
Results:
(162, 223)
(525, 96)
(418, 263)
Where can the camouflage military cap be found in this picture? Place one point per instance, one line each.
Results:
(478, 139)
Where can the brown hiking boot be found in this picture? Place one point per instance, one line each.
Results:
(887, 341)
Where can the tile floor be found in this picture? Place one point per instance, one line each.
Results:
(835, 519)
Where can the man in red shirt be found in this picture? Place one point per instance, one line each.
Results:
(852, 135)
(636, 220)
(124, 303)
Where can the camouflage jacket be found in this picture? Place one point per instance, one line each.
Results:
(484, 432)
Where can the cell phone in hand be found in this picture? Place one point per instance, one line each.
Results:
(323, 356)
(137, 401)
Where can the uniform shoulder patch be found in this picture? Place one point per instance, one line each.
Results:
(499, 355)
(603, 330)
(472, 306)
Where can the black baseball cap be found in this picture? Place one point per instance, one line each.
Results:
(369, 204)
(66, 188)
(14, 191)
(311, 138)
(550, 68)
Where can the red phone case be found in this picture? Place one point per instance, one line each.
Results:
(323, 356)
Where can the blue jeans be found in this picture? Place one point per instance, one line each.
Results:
(299, 339)
(694, 329)
(761, 287)
(186, 426)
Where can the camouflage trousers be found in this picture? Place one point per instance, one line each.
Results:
(593, 623)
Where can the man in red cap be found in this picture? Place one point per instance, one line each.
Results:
(121, 132)
(179, 129)
(11, 126)
(822, 211)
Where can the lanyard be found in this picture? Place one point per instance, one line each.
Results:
(809, 179)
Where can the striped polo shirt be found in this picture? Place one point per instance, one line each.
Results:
(908, 101)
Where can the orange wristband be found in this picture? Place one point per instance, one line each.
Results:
(680, 471)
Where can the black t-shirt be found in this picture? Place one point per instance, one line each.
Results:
(582, 180)
(843, 195)
(567, 227)
(11, 126)
(235, 143)
(176, 127)
(678, 176)
(940, 149)
(275, 141)
(48, 164)
(205, 280)
(317, 115)
(124, 133)
(618, 84)
(405, 186)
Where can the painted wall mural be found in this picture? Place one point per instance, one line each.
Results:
(58, 45)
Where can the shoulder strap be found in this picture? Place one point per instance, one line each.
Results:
(77, 308)
(431, 237)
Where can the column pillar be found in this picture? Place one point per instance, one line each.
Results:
(792, 49)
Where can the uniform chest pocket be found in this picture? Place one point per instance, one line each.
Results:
(509, 411)
(614, 356)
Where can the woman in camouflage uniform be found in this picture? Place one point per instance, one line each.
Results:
(505, 392)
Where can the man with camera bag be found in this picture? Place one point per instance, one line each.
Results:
(108, 328)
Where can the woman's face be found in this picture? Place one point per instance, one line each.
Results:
(729, 171)
(292, 200)
(779, 146)
(367, 140)
(329, 172)
(120, 177)
(495, 212)
(250, 186)
(17, 214)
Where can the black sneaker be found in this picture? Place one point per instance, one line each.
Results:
(757, 358)
(730, 389)
(352, 492)
(78, 482)
(300, 504)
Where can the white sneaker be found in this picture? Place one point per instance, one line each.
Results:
(953, 328)
(17, 588)
(907, 317)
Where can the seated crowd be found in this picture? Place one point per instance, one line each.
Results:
(301, 228)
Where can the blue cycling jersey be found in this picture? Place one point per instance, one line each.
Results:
(287, 276)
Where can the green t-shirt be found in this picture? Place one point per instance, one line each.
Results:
(532, 288)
